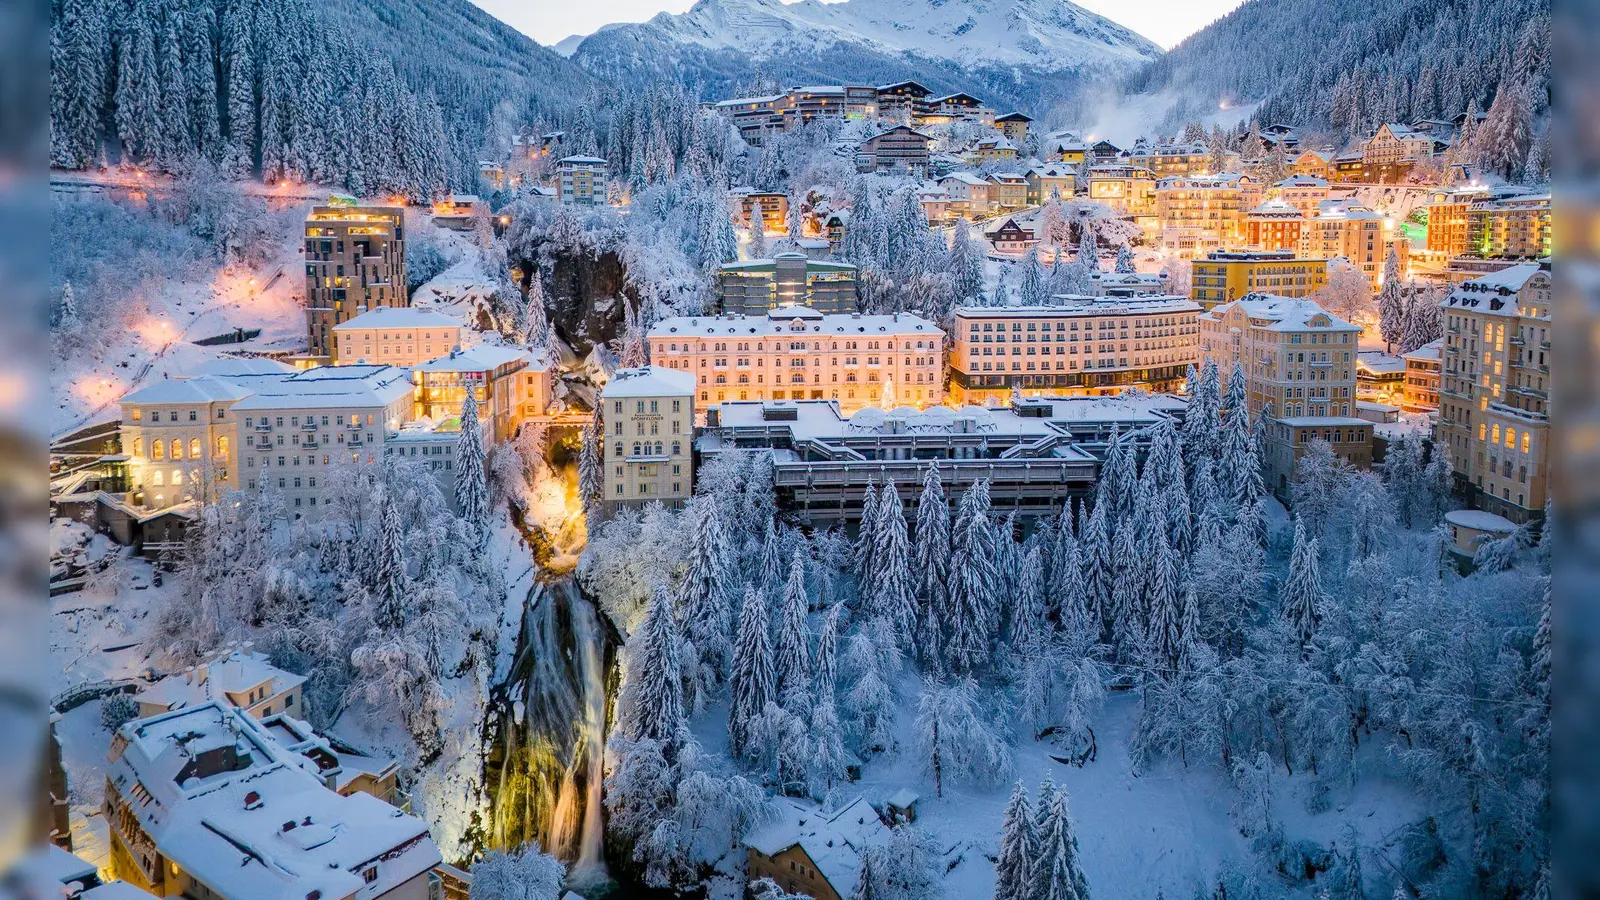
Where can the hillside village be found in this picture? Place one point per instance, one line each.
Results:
(832, 491)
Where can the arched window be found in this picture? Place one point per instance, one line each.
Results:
(194, 448)
(158, 449)
(635, 448)
(177, 448)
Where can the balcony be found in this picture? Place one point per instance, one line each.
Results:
(308, 426)
(264, 427)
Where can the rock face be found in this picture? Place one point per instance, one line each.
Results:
(584, 296)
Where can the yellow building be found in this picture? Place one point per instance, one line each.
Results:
(1355, 233)
(1303, 192)
(648, 416)
(510, 384)
(1314, 164)
(401, 336)
(1509, 227)
(1014, 125)
(1299, 363)
(1494, 389)
(1420, 392)
(1129, 190)
(1206, 205)
(1227, 275)
(1173, 160)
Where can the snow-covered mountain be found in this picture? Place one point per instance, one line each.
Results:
(972, 45)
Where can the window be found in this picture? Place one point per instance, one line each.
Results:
(370, 875)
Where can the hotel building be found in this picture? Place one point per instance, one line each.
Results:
(396, 336)
(581, 180)
(1300, 362)
(1274, 225)
(1227, 275)
(1074, 346)
(355, 259)
(795, 353)
(1357, 234)
(1494, 390)
(753, 287)
(648, 418)
(1193, 208)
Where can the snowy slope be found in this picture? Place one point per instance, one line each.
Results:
(1047, 34)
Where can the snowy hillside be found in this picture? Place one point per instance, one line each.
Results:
(980, 46)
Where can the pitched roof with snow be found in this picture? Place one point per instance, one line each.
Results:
(399, 317)
(834, 840)
(649, 381)
(1271, 312)
(235, 672)
(1494, 292)
(478, 358)
(246, 818)
(328, 387)
(201, 389)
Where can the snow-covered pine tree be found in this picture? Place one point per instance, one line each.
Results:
(932, 561)
(535, 327)
(974, 581)
(866, 536)
(1163, 637)
(893, 598)
(472, 484)
(1013, 865)
(654, 709)
(869, 701)
(1060, 870)
(138, 89)
(828, 758)
(770, 570)
(1303, 598)
(392, 595)
(1033, 287)
(1099, 567)
(1128, 611)
(758, 231)
(751, 684)
(792, 666)
(592, 473)
(78, 76)
(954, 739)
(1029, 625)
(965, 265)
(1124, 264)
(1391, 301)
(705, 596)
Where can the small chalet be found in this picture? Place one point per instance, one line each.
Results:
(806, 850)
(1012, 238)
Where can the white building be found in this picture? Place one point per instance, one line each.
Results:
(297, 429)
(796, 353)
(648, 415)
(239, 676)
(204, 802)
(396, 336)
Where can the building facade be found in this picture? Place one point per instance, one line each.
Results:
(1299, 363)
(179, 441)
(581, 180)
(1129, 190)
(1494, 390)
(1051, 181)
(648, 418)
(753, 287)
(795, 353)
(1509, 227)
(1357, 234)
(355, 262)
(1014, 125)
(510, 385)
(1420, 392)
(1074, 346)
(1211, 205)
(1274, 225)
(1227, 275)
(901, 150)
(396, 336)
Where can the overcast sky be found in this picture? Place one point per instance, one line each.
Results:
(1164, 21)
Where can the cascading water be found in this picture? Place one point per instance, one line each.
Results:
(549, 724)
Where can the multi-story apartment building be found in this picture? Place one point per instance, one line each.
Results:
(971, 196)
(1447, 220)
(1172, 160)
(581, 180)
(1010, 190)
(1393, 149)
(957, 107)
(1227, 275)
(355, 262)
(1303, 192)
(1420, 393)
(510, 384)
(901, 101)
(294, 431)
(1509, 227)
(1494, 390)
(1209, 205)
(1274, 225)
(1075, 345)
(204, 803)
(1051, 181)
(794, 353)
(901, 150)
(1355, 233)
(179, 440)
(399, 336)
(1347, 168)
(1035, 454)
(774, 206)
(1014, 125)
(648, 418)
(1011, 237)
(753, 287)
(1130, 190)
(1299, 362)
(1129, 284)
(995, 149)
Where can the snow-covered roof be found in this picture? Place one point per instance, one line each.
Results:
(649, 381)
(1014, 117)
(1323, 421)
(1428, 351)
(964, 178)
(235, 672)
(327, 387)
(399, 317)
(244, 368)
(1479, 520)
(1489, 293)
(1007, 178)
(1276, 207)
(741, 101)
(201, 389)
(246, 818)
(478, 358)
(1072, 306)
(1271, 312)
(1378, 362)
(1220, 180)
(1302, 181)
(581, 161)
(1052, 170)
(780, 321)
(833, 840)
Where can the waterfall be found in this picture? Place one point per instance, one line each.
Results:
(549, 729)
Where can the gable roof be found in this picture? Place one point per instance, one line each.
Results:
(1014, 117)
(833, 840)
